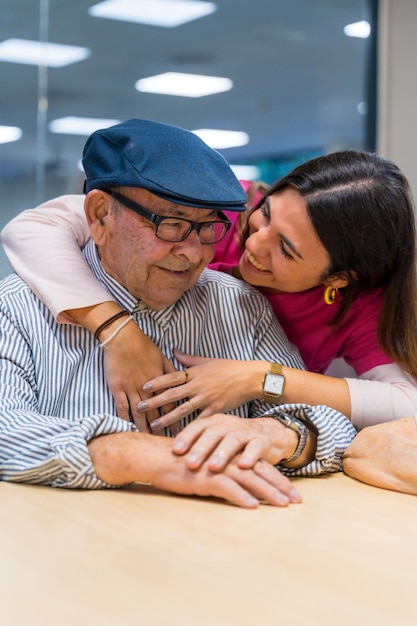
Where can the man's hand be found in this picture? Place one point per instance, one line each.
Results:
(385, 455)
(218, 439)
(124, 458)
(129, 360)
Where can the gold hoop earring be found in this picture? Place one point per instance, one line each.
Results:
(329, 294)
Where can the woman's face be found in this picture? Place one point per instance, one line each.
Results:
(283, 251)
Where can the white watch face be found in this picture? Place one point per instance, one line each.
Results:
(274, 384)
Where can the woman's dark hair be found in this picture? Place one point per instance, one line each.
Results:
(362, 209)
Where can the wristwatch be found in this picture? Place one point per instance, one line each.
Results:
(294, 424)
(273, 386)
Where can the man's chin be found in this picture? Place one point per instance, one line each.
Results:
(165, 298)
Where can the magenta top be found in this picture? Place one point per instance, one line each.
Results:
(304, 317)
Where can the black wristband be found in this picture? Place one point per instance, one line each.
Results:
(111, 319)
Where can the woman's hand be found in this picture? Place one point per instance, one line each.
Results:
(130, 359)
(207, 385)
(218, 439)
(243, 487)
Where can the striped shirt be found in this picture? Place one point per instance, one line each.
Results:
(53, 393)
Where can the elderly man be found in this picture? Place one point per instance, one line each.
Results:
(153, 204)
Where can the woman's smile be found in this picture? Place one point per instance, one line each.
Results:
(252, 261)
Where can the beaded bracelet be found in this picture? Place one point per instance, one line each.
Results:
(118, 329)
(111, 319)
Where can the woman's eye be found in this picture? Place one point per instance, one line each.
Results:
(265, 211)
(284, 252)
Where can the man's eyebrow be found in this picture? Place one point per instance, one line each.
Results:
(291, 246)
(179, 212)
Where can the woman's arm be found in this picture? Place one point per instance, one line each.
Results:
(55, 230)
(385, 456)
(219, 385)
(382, 394)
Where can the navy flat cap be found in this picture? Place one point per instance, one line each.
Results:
(170, 162)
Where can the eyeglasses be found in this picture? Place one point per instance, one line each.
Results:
(177, 229)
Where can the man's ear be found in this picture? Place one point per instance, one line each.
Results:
(96, 207)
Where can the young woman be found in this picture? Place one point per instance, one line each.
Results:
(332, 247)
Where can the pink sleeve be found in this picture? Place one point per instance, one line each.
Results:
(382, 394)
(43, 246)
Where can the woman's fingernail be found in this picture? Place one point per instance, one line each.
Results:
(156, 425)
(193, 458)
(143, 406)
(251, 502)
(147, 387)
(179, 352)
(295, 495)
(280, 498)
(179, 445)
(216, 460)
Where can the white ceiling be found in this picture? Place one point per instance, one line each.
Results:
(297, 78)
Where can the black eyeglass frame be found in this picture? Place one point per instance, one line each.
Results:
(158, 219)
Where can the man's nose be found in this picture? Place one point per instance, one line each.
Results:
(191, 247)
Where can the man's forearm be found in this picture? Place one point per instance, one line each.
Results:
(138, 457)
(123, 458)
(52, 451)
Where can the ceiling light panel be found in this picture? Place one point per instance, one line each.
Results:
(72, 125)
(166, 13)
(30, 52)
(246, 172)
(221, 139)
(10, 133)
(358, 29)
(187, 85)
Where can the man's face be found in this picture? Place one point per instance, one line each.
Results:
(155, 271)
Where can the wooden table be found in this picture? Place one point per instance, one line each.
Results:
(346, 556)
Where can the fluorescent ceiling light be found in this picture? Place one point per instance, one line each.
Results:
(167, 13)
(188, 85)
(10, 133)
(39, 53)
(79, 125)
(220, 139)
(358, 29)
(363, 108)
(246, 172)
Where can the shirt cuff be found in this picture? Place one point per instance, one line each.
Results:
(335, 433)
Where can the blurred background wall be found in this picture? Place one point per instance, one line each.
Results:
(295, 83)
(397, 85)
